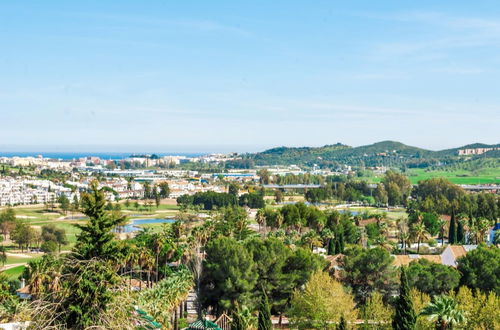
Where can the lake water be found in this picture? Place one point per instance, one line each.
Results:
(133, 226)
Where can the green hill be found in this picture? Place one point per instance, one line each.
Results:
(384, 153)
(454, 151)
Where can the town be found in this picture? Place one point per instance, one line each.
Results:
(249, 165)
(334, 214)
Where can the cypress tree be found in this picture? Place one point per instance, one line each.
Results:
(404, 316)
(452, 233)
(341, 241)
(237, 323)
(264, 314)
(331, 247)
(338, 248)
(342, 324)
(460, 232)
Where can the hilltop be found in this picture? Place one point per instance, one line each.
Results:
(384, 153)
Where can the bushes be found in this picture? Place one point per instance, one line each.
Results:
(208, 200)
(432, 278)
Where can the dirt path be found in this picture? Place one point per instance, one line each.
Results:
(18, 255)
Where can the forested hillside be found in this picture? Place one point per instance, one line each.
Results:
(385, 153)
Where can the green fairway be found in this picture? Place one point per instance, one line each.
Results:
(483, 176)
(19, 260)
(14, 272)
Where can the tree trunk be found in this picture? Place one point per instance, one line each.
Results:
(157, 267)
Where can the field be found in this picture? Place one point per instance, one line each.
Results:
(482, 176)
(15, 272)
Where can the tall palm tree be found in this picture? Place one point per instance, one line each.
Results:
(158, 241)
(311, 240)
(381, 241)
(419, 233)
(442, 225)
(3, 255)
(279, 220)
(383, 229)
(482, 228)
(444, 311)
(404, 233)
(260, 217)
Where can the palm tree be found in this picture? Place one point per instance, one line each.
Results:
(404, 235)
(311, 240)
(381, 241)
(442, 225)
(260, 217)
(419, 233)
(158, 241)
(383, 229)
(327, 234)
(279, 220)
(444, 311)
(3, 255)
(417, 217)
(482, 228)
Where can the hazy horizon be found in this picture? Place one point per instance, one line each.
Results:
(170, 149)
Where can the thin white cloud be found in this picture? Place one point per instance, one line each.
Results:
(440, 34)
(198, 25)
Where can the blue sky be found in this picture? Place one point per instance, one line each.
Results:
(245, 75)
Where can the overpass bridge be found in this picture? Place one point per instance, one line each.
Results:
(291, 186)
(479, 187)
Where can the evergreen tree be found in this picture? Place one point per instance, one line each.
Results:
(452, 233)
(338, 247)
(237, 323)
(88, 273)
(460, 232)
(331, 247)
(404, 316)
(264, 314)
(341, 241)
(342, 324)
(96, 239)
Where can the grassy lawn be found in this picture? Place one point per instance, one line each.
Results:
(144, 209)
(483, 176)
(18, 260)
(155, 227)
(15, 272)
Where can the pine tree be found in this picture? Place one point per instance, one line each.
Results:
(404, 316)
(331, 247)
(342, 324)
(88, 273)
(460, 232)
(452, 233)
(264, 314)
(96, 239)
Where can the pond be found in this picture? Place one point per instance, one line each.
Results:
(134, 224)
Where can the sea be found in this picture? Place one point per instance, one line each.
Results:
(102, 155)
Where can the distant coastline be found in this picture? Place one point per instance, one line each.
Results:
(102, 155)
